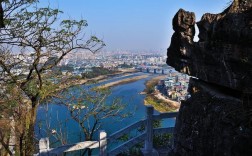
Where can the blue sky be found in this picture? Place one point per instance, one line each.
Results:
(133, 24)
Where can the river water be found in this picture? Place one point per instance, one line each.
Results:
(54, 116)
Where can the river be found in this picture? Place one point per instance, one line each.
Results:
(58, 117)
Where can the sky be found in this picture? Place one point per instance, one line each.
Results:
(133, 24)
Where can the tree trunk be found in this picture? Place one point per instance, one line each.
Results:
(89, 152)
(88, 138)
(21, 145)
(26, 142)
(30, 142)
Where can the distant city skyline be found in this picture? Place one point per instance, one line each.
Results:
(133, 24)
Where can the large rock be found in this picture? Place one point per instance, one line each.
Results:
(217, 119)
(223, 54)
(182, 39)
(213, 122)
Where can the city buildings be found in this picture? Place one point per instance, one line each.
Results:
(174, 86)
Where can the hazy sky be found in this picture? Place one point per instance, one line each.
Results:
(133, 24)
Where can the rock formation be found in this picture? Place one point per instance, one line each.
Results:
(217, 119)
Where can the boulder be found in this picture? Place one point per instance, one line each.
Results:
(223, 54)
(217, 118)
(213, 122)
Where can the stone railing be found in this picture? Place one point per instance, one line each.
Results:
(146, 137)
(44, 149)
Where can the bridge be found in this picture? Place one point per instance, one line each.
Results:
(155, 70)
(104, 140)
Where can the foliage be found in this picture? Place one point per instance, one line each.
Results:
(159, 140)
(90, 108)
(162, 140)
(14, 118)
(158, 104)
(97, 71)
(150, 86)
(33, 29)
(125, 65)
(8, 102)
(150, 99)
(66, 67)
(41, 44)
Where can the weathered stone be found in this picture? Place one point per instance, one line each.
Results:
(182, 39)
(213, 122)
(217, 119)
(223, 54)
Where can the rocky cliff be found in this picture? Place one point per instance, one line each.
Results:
(217, 119)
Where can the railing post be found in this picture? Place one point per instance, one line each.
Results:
(43, 145)
(148, 147)
(103, 143)
(12, 142)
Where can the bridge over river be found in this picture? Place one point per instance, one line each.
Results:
(155, 69)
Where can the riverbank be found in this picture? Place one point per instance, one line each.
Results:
(127, 93)
(156, 99)
(123, 81)
(75, 82)
(153, 97)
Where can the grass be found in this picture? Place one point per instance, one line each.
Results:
(158, 104)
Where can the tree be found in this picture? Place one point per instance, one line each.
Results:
(89, 109)
(41, 43)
